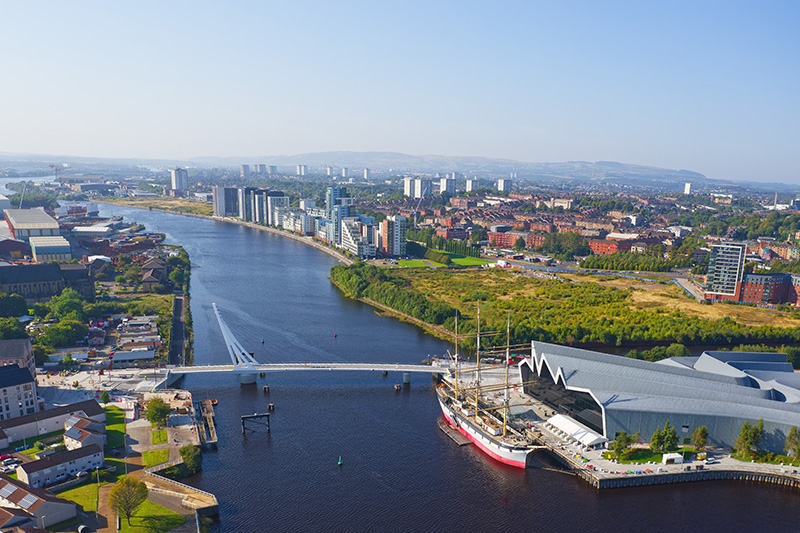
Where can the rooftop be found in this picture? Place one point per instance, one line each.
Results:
(15, 348)
(11, 375)
(89, 407)
(28, 498)
(30, 219)
(53, 240)
(60, 458)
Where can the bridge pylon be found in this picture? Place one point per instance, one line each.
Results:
(242, 360)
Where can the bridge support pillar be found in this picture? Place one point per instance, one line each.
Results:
(248, 378)
(406, 378)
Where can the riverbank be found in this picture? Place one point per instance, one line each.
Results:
(306, 240)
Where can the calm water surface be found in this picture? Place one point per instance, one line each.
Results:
(399, 472)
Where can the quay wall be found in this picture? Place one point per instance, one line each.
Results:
(605, 481)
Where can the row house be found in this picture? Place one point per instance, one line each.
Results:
(59, 467)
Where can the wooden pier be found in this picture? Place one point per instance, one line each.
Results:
(208, 430)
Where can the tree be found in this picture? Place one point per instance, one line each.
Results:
(700, 438)
(176, 277)
(657, 441)
(519, 244)
(749, 437)
(105, 397)
(126, 496)
(65, 303)
(11, 328)
(792, 441)
(192, 460)
(156, 412)
(670, 437)
(622, 443)
(12, 305)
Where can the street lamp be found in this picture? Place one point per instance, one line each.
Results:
(97, 500)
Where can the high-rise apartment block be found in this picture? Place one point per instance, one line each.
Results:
(366, 174)
(301, 170)
(226, 201)
(244, 170)
(725, 271)
(687, 188)
(473, 185)
(504, 184)
(180, 179)
(447, 185)
(408, 186)
(393, 235)
(422, 188)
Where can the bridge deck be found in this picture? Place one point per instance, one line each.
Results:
(272, 367)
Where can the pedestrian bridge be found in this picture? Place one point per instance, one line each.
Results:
(272, 367)
(248, 368)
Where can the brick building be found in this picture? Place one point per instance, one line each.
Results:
(601, 247)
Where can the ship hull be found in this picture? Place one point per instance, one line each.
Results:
(490, 446)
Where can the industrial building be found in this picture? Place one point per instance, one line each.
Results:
(719, 390)
(46, 249)
(27, 223)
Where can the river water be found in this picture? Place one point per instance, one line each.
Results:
(399, 471)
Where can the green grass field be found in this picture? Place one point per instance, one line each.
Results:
(160, 436)
(644, 455)
(30, 442)
(115, 425)
(152, 518)
(155, 457)
(411, 263)
(470, 261)
(84, 495)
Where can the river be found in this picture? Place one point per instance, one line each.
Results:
(399, 471)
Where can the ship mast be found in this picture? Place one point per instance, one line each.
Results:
(457, 365)
(508, 350)
(478, 378)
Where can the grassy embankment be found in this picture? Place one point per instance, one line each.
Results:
(150, 516)
(585, 310)
(155, 457)
(175, 205)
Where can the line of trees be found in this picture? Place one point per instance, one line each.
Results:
(429, 238)
(361, 280)
(633, 261)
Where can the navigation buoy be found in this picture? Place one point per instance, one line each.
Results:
(334, 335)
(340, 461)
(262, 341)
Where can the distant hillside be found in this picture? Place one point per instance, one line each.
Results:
(607, 176)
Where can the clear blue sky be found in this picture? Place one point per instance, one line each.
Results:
(707, 86)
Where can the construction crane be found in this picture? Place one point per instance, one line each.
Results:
(416, 210)
(56, 169)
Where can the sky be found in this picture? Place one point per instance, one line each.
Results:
(706, 86)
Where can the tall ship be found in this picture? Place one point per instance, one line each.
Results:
(464, 410)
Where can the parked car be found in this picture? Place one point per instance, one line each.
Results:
(5, 456)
